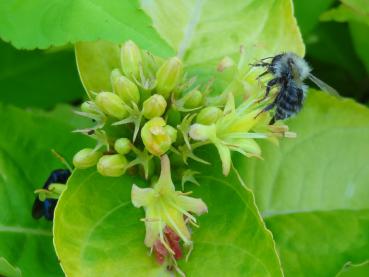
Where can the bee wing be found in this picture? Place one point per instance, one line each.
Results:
(323, 86)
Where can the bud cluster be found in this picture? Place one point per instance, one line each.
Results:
(155, 113)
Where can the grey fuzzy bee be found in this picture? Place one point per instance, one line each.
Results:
(289, 72)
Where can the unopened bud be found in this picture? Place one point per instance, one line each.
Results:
(112, 165)
(202, 132)
(114, 75)
(193, 99)
(209, 115)
(157, 136)
(86, 158)
(168, 76)
(111, 104)
(122, 146)
(89, 107)
(130, 59)
(126, 90)
(154, 106)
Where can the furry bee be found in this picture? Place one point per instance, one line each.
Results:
(46, 208)
(289, 72)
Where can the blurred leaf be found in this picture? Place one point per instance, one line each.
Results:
(7, 270)
(345, 13)
(354, 270)
(332, 57)
(43, 23)
(325, 169)
(203, 32)
(360, 39)
(106, 239)
(38, 78)
(318, 243)
(308, 13)
(95, 61)
(25, 163)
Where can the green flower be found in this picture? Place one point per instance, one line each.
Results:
(157, 136)
(164, 206)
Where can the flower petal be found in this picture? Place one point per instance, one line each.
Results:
(141, 196)
(191, 204)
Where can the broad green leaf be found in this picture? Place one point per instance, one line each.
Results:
(360, 38)
(95, 61)
(203, 32)
(38, 78)
(325, 169)
(99, 233)
(25, 163)
(7, 270)
(319, 243)
(43, 23)
(354, 270)
(308, 13)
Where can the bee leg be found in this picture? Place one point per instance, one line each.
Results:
(269, 86)
(261, 64)
(262, 74)
(267, 108)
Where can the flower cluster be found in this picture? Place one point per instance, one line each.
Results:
(155, 111)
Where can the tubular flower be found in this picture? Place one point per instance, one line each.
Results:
(166, 207)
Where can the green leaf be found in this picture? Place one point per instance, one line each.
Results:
(25, 163)
(42, 23)
(354, 270)
(324, 170)
(38, 78)
(318, 243)
(360, 38)
(95, 61)
(308, 13)
(7, 270)
(99, 233)
(203, 32)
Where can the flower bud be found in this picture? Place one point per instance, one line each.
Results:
(202, 132)
(114, 75)
(154, 106)
(122, 146)
(130, 59)
(86, 158)
(112, 165)
(193, 99)
(111, 104)
(158, 137)
(89, 107)
(168, 76)
(209, 115)
(126, 90)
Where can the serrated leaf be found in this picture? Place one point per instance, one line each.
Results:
(325, 169)
(42, 23)
(25, 163)
(99, 233)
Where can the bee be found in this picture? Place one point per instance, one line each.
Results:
(46, 208)
(289, 72)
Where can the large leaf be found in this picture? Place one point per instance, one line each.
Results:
(99, 233)
(7, 270)
(316, 185)
(203, 32)
(25, 163)
(354, 270)
(38, 78)
(43, 23)
(308, 13)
